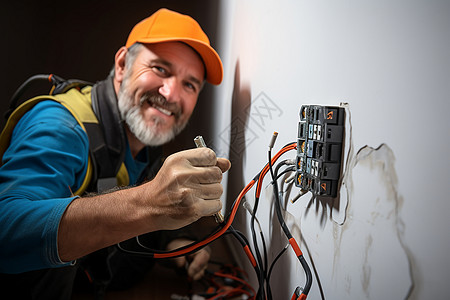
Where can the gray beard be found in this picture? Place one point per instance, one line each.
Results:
(149, 135)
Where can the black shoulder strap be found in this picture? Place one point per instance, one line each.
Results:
(107, 139)
(59, 86)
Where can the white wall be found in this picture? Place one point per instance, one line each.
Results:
(387, 235)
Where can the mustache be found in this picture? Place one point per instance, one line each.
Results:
(156, 99)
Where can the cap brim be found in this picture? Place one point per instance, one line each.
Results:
(211, 59)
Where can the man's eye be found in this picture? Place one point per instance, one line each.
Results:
(160, 70)
(190, 85)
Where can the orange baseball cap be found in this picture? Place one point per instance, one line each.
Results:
(166, 25)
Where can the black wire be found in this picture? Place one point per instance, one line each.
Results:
(277, 200)
(277, 176)
(275, 261)
(149, 252)
(261, 276)
(284, 226)
(264, 252)
(269, 291)
(287, 170)
(280, 164)
(238, 235)
(261, 291)
(263, 240)
(244, 242)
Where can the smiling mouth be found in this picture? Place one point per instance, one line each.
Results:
(160, 109)
(158, 102)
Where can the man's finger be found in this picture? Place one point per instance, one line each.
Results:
(210, 191)
(224, 164)
(209, 207)
(207, 175)
(200, 157)
(198, 264)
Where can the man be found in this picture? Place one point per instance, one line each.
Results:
(157, 78)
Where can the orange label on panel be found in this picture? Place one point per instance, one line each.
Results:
(330, 115)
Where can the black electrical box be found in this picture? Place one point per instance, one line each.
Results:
(319, 149)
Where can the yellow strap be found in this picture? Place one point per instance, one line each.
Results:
(89, 170)
(123, 178)
(79, 105)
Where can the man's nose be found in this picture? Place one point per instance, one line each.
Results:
(170, 89)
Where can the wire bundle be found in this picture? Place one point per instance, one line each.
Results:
(227, 282)
(260, 266)
(264, 291)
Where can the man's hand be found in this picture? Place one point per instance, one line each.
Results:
(195, 263)
(187, 187)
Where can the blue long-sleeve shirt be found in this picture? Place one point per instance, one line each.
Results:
(46, 160)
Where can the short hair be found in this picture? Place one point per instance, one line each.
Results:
(132, 53)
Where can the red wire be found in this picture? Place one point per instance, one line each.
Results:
(236, 279)
(216, 235)
(232, 292)
(226, 291)
(266, 168)
(234, 210)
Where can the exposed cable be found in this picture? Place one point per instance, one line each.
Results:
(286, 230)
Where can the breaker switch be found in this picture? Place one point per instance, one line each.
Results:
(319, 149)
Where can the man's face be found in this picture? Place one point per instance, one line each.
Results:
(159, 91)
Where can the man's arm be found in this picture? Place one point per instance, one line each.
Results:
(187, 187)
(47, 160)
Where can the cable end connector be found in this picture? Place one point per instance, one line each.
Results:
(301, 193)
(247, 206)
(272, 141)
(200, 143)
(290, 162)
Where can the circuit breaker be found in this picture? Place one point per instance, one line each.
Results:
(319, 149)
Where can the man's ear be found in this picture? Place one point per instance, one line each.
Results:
(119, 65)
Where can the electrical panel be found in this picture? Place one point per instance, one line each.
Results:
(319, 149)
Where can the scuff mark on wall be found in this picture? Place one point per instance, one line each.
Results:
(368, 245)
(366, 266)
(372, 214)
(381, 161)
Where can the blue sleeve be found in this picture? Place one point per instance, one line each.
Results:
(46, 160)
